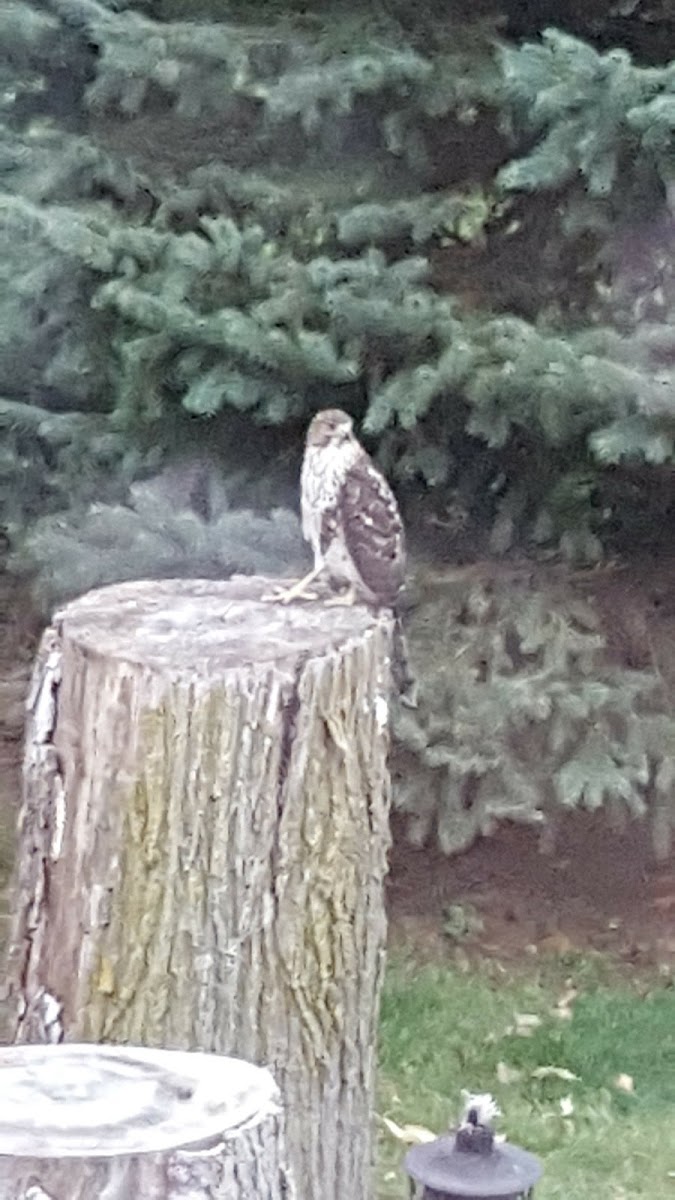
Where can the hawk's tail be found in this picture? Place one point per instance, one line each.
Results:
(401, 670)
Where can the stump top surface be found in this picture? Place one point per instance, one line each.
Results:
(88, 1101)
(207, 625)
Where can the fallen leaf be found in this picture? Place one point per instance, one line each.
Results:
(556, 1072)
(507, 1074)
(526, 1023)
(412, 1135)
(624, 1083)
(563, 1008)
(568, 997)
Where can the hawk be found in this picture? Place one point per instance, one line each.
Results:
(349, 515)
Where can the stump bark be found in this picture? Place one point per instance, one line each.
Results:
(82, 1122)
(203, 843)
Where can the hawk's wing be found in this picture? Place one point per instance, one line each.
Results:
(371, 526)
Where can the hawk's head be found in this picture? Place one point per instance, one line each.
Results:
(331, 427)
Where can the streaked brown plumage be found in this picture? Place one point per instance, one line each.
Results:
(349, 513)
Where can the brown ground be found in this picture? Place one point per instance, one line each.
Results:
(596, 890)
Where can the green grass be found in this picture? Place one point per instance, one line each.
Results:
(442, 1030)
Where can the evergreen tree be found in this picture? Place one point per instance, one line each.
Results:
(524, 710)
(216, 222)
(213, 219)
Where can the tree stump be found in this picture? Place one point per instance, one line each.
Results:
(82, 1122)
(203, 843)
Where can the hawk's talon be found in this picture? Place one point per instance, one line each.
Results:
(287, 596)
(296, 591)
(291, 596)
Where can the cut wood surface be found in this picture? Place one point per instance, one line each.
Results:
(83, 1122)
(203, 842)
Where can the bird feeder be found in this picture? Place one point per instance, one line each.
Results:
(470, 1163)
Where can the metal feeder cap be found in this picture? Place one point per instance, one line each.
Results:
(504, 1172)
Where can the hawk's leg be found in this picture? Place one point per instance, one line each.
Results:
(297, 590)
